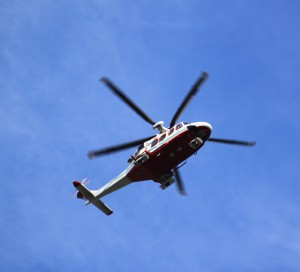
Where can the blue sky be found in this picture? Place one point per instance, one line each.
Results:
(242, 212)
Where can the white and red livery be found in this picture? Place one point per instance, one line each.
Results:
(157, 158)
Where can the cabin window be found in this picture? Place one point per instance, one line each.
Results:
(179, 126)
(171, 131)
(155, 141)
(162, 137)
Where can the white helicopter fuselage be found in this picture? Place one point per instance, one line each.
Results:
(154, 160)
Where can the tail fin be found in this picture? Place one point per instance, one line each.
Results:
(85, 193)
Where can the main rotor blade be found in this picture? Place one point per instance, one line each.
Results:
(188, 98)
(235, 142)
(116, 148)
(179, 182)
(128, 101)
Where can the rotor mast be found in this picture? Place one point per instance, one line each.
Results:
(160, 127)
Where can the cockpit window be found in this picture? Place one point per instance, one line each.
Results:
(154, 142)
(179, 126)
(139, 148)
(162, 137)
(171, 131)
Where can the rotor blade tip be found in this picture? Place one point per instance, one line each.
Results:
(91, 155)
(103, 79)
(204, 74)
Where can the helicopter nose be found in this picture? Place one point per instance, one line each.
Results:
(201, 129)
(204, 124)
(200, 125)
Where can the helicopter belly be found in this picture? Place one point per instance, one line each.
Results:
(166, 158)
(171, 155)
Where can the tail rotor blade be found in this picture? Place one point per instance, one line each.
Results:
(126, 99)
(189, 97)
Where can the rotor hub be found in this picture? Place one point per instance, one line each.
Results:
(160, 127)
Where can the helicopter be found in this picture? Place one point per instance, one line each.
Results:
(159, 157)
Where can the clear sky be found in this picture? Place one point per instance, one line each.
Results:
(242, 212)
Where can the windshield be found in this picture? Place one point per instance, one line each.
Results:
(139, 148)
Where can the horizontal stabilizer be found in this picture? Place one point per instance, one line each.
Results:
(102, 207)
(85, 193)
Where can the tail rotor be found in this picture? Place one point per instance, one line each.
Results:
(84, 182)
